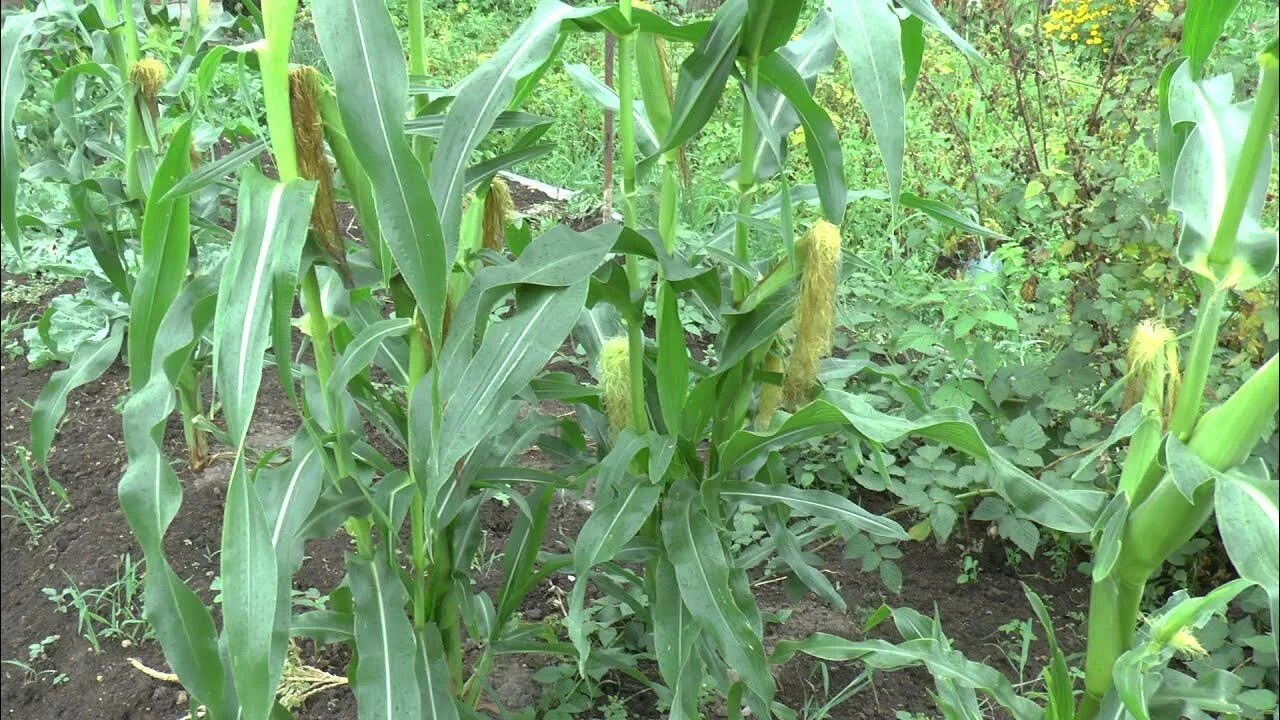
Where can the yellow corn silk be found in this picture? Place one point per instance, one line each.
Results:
(1153, 376)
(498, 210)
(308, 139)
(148, 75)
(815, 311)
(615, 382)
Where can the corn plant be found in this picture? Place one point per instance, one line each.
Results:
(111, 106)
(1183, 464)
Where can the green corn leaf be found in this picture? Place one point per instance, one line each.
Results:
(522, 551)
(946, 664)
(90, 361)
(107, 248)
(433, 677)
(64, 96)
(912, 53)
(250, 600)
(483, 172)
(818, 503)
(769, 25)
(324, 626)
(163, 266)
(1187, 471)
(1171, 137)
(674, 635)
(1108, 534)
(270, 231)
(704, 73)
(150, 495)
(359, 189)
(363, 50)
(820, 136)
(609, 528)
(925, 10)
(1246, 502)
(1059, 685)
(481, 99)
(212, 172)
(13, 81)
(870, 33)
(948, 215)
(822, 646)
(1203, 23)
(647, 138)
(432, 125)
(385, 684)
(289, 493)
(673, 359)
(702, 573)
(1067, 510)
(810, 55)
(790, 551)
(512, 352)
(558, 258)
(652, 77)
(1203, 176)
(366, 345)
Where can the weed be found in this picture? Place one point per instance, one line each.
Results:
(23, 501)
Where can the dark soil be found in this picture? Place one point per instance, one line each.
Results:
(87, 543)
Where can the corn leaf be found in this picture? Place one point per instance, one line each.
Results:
(385, 684)
(674, 635)
(363, 50)
(433, 677)
(1248, 509)
(289, 493)
(1203, 25)
(1068, 510)
(702, 574)
(90, 361)
(250, 599)
(481, 99)
(704, 73)
(820, 136)
(13, 81)
(870, 34)
(609, 528)
(163, 266)
(1203, 176)
(271, 227)
(818, 503)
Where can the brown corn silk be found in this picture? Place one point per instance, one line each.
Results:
(308, 138)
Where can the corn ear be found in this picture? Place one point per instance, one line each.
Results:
(1154, 377)
(815, 311)
(308, 138)
(615, 382)
(498, 210)
(148, 75)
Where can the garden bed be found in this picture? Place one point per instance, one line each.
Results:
(85, 547)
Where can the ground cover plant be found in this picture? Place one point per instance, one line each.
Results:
(789, 359)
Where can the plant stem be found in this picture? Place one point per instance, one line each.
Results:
(1203, 343)
(323, 351)
(746, 182)
(1113, 617)
(191, 406)
(417, 510)
(627, 142)
(1256, 140)
(418, 66)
